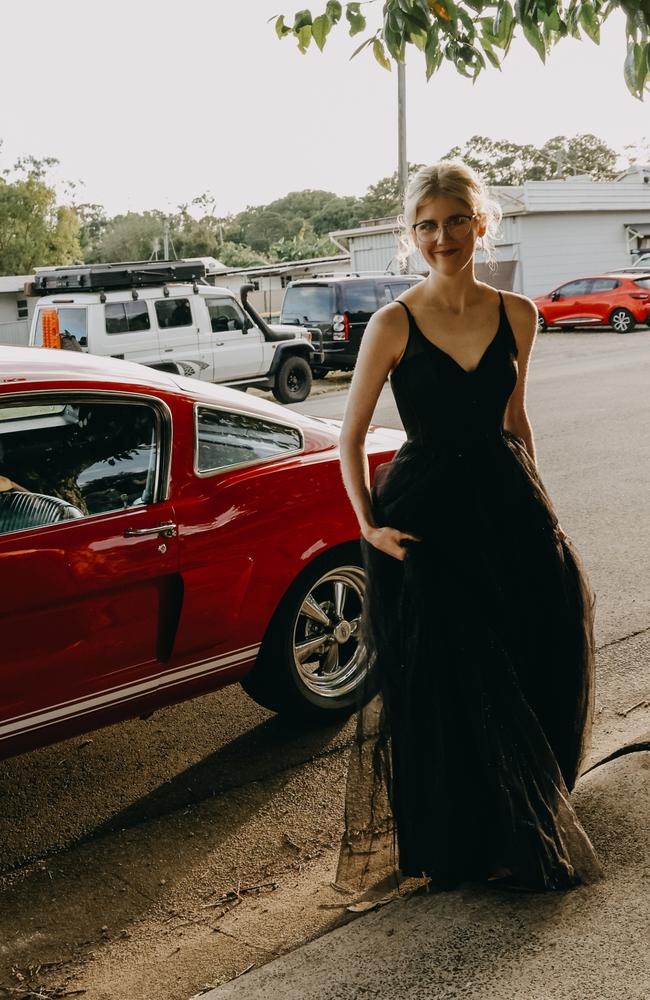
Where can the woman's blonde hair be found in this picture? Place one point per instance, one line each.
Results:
(448, 179)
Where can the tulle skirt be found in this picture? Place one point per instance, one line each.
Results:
(478, 699)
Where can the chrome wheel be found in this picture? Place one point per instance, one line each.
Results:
(325, 636)
(621, 321)
(541, 323)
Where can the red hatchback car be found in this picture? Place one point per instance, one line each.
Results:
(619, 300)
(162, 537)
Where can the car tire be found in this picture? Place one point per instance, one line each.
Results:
(293, 380)
(622, 321)
(328, 685)
(542, 325)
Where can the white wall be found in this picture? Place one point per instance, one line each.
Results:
(557, 247)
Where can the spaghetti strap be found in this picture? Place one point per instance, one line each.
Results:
(408, 311)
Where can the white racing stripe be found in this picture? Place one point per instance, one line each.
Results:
(127, 692)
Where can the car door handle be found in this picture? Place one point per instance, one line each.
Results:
(169, 530)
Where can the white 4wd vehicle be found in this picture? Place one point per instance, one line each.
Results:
(163, 314)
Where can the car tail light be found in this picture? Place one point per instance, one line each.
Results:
(50, 327)
(639, 295)
(341, 327)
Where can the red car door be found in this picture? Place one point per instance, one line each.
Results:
(567, 302)
(227, 519)
(88, 560)
(601, 300)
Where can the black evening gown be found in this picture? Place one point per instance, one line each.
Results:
(479, 644)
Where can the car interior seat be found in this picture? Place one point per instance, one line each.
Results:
(19, 510)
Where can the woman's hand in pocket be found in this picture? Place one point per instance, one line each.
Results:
(389, 540)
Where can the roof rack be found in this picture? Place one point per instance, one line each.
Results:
(349, 274)
(110, 277)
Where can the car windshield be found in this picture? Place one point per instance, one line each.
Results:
(307, 304)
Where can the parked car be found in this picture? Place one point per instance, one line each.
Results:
(340, 306)
(641, 263)
(163, 314)
(161, 537)
(619, 300)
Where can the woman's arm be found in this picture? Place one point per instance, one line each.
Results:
(522, 314)
(383, 341)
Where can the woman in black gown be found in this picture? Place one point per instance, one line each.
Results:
(477, 622)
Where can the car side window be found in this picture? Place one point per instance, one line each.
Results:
(391, 289)
(604, 284)
(580, 287)
(360, 299)
(642, 282)
(72, 458)
(173, 312)
(225, 439)
(126, 317)
(224, 315)
(73, 326)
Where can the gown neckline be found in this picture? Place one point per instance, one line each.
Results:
(436, 347)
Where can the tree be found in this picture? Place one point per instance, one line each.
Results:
(304, 245)
(34, 230)
(471, 33)
(500, 162)
(383, 198)
(93, 223)
(236, 255)
(133, 236)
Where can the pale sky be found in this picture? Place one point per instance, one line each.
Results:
(151, 103)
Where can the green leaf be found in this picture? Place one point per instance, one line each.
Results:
(490, 53)
(521, 11)
(534, 36)
(380, 54)
(629, 69)
(363, 45)
(334, 11)
(419, 39)
(554, 22)
(641, 66)
(304, 37)
(503, 23)
(589, 22)
(432, 53)
(320, 30)
(466, 21)
(281, 29)
(302, 18)
(355, 19)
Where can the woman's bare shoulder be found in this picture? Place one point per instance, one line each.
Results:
(390, 317)
(386, 335)
(522, 314)
(520, 307)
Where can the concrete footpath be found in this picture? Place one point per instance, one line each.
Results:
(480, 943)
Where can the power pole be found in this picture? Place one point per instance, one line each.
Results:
(402, 169)
(166, 240)
(402, 162)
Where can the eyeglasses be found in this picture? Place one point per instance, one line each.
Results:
(458, 227)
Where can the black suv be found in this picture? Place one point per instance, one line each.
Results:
(340, 307)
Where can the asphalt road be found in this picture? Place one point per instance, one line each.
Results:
(206, 761)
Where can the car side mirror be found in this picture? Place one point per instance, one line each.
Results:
(555, 296)
(248, 323)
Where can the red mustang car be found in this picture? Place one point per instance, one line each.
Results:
(619, 300)
(161, 537)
